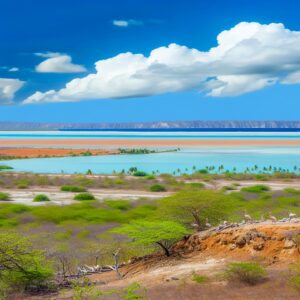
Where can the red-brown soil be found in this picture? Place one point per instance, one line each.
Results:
(53, 152)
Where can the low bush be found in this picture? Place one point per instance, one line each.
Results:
(41, 198)
(157, 188)
(4, 196)
(140, 174)
(247, 272)
(73, 189)
(22, 185)
(84, 197)
(260, 188)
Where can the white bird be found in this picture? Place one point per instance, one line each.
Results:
(272, 218)
(292, 215)
(194, 225)
(247, 217)
(225, 222)
(208, 225)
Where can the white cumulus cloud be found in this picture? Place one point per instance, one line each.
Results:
(126, 23)
(248, 57)
(8, 88)
(58, 63)
(13, 69)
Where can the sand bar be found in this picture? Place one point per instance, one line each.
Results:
(131, 143)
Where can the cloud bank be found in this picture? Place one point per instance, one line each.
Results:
(57, 63)
(8, 88)
(248, 57)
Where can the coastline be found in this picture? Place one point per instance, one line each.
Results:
(51, 152)
(114, 143)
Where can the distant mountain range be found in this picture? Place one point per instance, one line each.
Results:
(153, 125)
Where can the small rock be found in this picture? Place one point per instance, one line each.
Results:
(258, 247)
(240, 241)
(174, 278)
(288, 244)
(232, 247)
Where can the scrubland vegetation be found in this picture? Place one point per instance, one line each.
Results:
(62, 238)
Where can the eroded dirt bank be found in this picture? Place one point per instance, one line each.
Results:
(207, 253)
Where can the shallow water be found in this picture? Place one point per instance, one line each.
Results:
(239, 158)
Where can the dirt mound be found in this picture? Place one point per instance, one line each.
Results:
(271, 242)
(209, 251)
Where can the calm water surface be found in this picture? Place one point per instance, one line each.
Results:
(239, 158)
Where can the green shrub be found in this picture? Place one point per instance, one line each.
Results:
(5, 168)
(41, 198)
(199, 278)
(73, 189)
(22, 185)
(150, 177)
(4, 196)
(140, 174)
(203, 171)
(246, 272)
(256, 189)
(157, 188)
(84, 197)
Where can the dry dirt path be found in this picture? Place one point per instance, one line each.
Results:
(63, 198)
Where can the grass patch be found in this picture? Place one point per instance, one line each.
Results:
(157, 188)
(199, 278)
(41, 198)
(4, 196)
(118, 204)
(73, 189)
(260, 188)
(84, 197)
(247, 272)
(294, 279)
(292, 191)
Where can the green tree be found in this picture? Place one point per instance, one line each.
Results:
(160, 233)
(195, 206)
(22, 267)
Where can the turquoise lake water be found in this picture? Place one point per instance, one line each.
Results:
(239, 158)
(285, 158)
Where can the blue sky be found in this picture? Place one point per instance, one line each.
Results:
(85, 32)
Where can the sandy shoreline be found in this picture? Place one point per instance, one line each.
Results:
(52, 152)
(131, 143)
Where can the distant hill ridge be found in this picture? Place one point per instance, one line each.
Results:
(153, 125)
